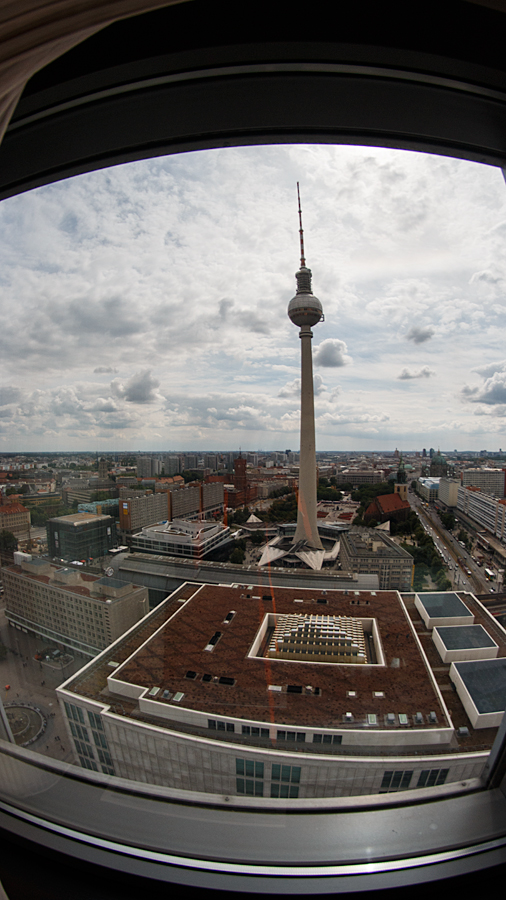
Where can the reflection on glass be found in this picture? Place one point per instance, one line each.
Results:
(162, 624)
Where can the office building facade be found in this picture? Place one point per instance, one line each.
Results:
(82, 612)
(365, 551)
(80, 536)
(223, 715)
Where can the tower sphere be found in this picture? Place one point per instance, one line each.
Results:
(304, 308)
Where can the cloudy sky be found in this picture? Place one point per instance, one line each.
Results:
(144, 306)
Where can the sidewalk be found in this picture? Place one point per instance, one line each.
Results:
(25, 675)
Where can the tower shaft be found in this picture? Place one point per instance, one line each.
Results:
(307, 529)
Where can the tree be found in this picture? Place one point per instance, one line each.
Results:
(8, 541)
(237, 556)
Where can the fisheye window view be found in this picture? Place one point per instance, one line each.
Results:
(252, 448)
(242, 560)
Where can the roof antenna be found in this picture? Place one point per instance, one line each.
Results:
(302, 257)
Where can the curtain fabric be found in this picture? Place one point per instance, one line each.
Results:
(35, 32)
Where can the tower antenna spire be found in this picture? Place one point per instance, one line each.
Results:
(301, 232)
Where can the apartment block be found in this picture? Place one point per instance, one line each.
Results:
(489, 480)
(83, 612)
(482, 508)
(143, 509)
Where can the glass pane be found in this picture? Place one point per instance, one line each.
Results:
(122, 357)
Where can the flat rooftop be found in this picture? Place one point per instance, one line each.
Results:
(82, 587)
(443, 605)
(202, 649)
(79, 518)
(373, 545)
(485, 680)
(464, 637)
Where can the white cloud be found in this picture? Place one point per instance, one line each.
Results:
(331, 353)
(172, 276)
(419, 334)
(140, 388)
(407, 374)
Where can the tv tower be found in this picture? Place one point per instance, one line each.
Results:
(305, 310)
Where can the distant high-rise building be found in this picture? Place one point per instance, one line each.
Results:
(172, 465)
(144, 466)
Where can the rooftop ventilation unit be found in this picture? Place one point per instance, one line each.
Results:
(348, 717)
(418, 718)
(432, 718)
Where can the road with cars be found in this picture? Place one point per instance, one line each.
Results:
(466, 575)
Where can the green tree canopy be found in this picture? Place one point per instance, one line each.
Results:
(8, 541)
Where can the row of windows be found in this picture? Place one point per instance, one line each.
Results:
(284, 779)
(84, 749)
(99, 739)
(400, 780)
(74, 712)
(281, 735)
(256, 789)
(79, 731)
(88, 763)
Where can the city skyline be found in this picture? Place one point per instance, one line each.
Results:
(145, 305)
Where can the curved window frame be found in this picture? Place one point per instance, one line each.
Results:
(228, 94)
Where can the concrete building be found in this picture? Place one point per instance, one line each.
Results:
(172, 465)
(449, 491)
(489, 480)
(193, 501)
(143, 509)
(193, 540)
(356, 476)
(484, 509)
(371, 551)
(14, 517)
(192, 697)
(80, 536)
(83, 612)
(428, 488)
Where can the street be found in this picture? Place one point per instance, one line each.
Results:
(451, 550)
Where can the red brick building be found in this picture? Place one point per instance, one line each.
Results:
(386, 507)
